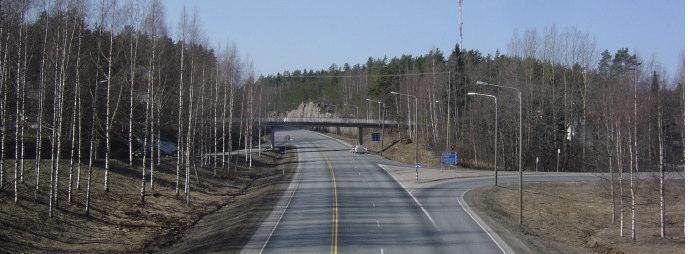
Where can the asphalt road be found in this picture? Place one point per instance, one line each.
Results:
(344, 202)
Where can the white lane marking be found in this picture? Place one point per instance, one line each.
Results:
(335, 139)
(378, 223)
(382, 251)
(412, 197)
(286, 207)
(493, 235)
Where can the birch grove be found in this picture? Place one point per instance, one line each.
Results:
(69, 68)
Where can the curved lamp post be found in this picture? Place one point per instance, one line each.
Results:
(495, 129)
(520, 141)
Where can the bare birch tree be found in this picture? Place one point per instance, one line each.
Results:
(76, 107)
(182, 43)
(133, 50)
(660, 142)
(41, 88)
(113, 5)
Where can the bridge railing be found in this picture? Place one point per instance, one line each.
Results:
(324, 120)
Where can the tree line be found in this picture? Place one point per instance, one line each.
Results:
(584, 110)
(84, 83)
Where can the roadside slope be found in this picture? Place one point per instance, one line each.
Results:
(118, 221)
(576, 217)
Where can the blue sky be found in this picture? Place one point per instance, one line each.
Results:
(280, 35)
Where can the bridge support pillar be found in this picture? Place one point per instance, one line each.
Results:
(272, 138)
(360, 135)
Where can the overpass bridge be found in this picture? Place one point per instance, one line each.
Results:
(272, 122)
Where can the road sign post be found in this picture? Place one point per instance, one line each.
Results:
(375, 136)
(418, 166)
(449, 158)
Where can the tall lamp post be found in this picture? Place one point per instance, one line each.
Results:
(381, 117)
(520, 147)
(495, 129)
(415, 127)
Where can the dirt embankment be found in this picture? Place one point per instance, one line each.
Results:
(576, 217)
(119, 222)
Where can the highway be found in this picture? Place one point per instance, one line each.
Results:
(344, 202)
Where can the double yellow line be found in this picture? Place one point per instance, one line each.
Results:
(335, 209)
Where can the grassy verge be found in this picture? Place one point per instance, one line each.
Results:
(576, 217)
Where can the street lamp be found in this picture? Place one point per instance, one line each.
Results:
(380, 115)
(415, 127)
(520, 141)
(495, 129)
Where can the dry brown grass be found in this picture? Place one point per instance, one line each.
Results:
(118, 221)
(574, 217)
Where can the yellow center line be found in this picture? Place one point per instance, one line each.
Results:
(335, 209)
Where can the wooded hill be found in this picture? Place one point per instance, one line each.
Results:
(575, 100)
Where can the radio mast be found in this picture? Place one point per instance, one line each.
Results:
(460, 5)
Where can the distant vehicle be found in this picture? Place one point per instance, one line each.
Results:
(358, 149)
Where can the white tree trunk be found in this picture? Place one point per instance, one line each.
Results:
(107, 108)
(633, 157)
(39, 131)
(91, 154)
(3, 106)
(188, 140)
(224, 131)
(181, 102)
(74, 119)
(133, 48)
(610, 131)
(619, 164)
(18, 116)
(215, 104)
(660, 141)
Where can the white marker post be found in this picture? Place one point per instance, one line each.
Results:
(558, 152)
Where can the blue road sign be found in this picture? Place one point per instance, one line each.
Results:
(449, 158)
(375, 136)
(418, 165)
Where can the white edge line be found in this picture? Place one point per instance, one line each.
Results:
(412, 197)
(283, 211)
(335, 139)
(488, 230)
